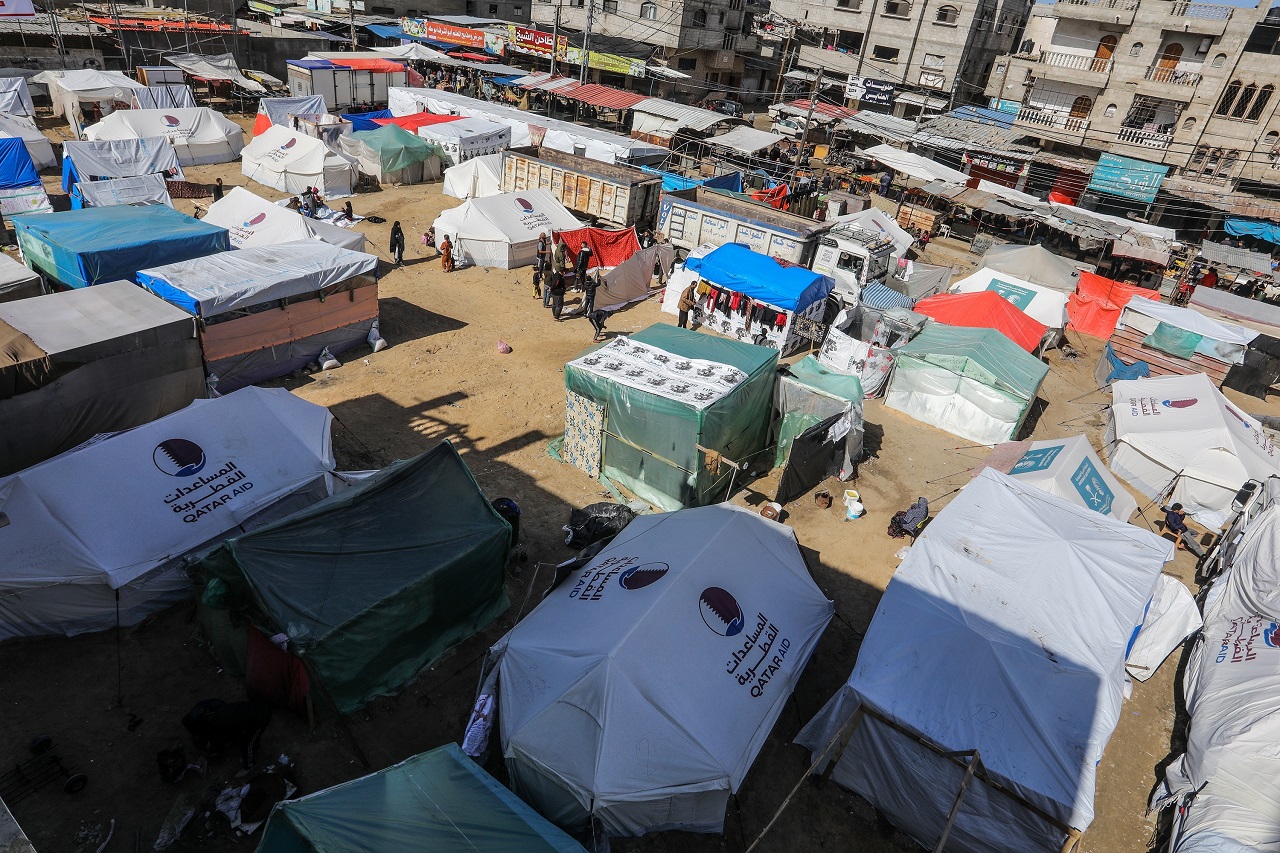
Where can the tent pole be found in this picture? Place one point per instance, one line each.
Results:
(342, 720)
(119, 658)
(974, 759)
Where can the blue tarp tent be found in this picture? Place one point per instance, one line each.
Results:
(761, 278)
(365, 121)
(78, 248)
(1237, 227)
(16, 166)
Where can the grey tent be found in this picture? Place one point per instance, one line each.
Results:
(17, 281)
(1037, 265)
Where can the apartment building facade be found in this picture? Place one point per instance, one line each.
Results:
(1191, 85)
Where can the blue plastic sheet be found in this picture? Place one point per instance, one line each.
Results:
(1268, 231)
(365, 121)
(16, 168)
(760, 277)
(672, 181)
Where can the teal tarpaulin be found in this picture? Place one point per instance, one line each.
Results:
(1127, 178)
(1268, 231)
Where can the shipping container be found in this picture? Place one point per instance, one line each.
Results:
(614, 195)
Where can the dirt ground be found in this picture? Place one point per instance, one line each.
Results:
(110, 702)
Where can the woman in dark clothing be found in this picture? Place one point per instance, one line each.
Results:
(397, 243)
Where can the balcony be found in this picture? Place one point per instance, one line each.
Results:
(1065, 123)
(1172, 76)
(1103, 11)
(1206, 18)
(1079, 68)
(1146, 138)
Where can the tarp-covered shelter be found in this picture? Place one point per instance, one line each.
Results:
(665, 419)
(15, 97)
(974, 383)
(164, 96)
(1042, 304)
(280, 111)
(90, 361)
(252, 221)
(68, 89)
(915, 166)
(745, 140)
(218, 67)
(466, 138)
(78, 248)
(689, 632)
(290, 161)
(440, 800)
(476, 178)
(366, 121)
(819, 429)
(142, 190)
(18, 281)
(997, 650)
(17, 170)
(118, 158)
(24, 128)
(393, 155)
(416, 121)
(985, 309)
(270, 310)
(502, 230)
(1095, 306)
(168, 487)
(1173, 340)
(198, 135)
(1070, 469)
(1177, 438)
(1035, 264)
(373, 584)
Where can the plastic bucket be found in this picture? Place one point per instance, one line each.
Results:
(853, 507)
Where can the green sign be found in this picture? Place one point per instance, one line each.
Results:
(1020, 296)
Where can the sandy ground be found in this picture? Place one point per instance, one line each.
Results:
(111, 702)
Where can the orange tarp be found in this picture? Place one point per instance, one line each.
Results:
(985, 309)
(412, 122)
(1095, 307)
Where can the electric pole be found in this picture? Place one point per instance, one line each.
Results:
(555, 40)
(351, 19)
(586, 42)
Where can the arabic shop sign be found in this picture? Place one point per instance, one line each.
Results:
(446, 33)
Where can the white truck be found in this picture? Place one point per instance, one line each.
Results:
(852, 258)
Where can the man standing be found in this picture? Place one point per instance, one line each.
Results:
(559, 266)
(541, 265)
(589, 286)
(556, 289)
(687, 300)
(217, 190)
(580, 271)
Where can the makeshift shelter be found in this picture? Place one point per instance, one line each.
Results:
(366, 121)
(164, 96)
(752, 297)
(118, 158)
(1094, 308)
(143, 190)
(15, 97)
(214, 68)
(1042, 304)
(198, 135)
(627, 269)
(985, 310)
(290, 162)
(18, 281)
(69, 89)
(1260, 371)
(915, 166)
(78, 248)
(502, 230)
(1177, 341)
(373, 584)
(166, 488)
(1039, 598)
(1178, 440)
(90, 361)
(744, 140)
(917, 281)
(268, 311)
(439, 800)
(393, 155)
(1035, 264)
(20, 187)
(1070, 469)
(974, 383)
(667, 603)
(416, 121)
(467, 138)
(475, 178)
(676, 403)
(819, 427)
(253, 221)
(38, 145)
(280, 111)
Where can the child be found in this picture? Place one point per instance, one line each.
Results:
(1175, 520)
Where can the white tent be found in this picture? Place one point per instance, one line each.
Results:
(38, 145)
(468, 137)
(478, 177)
(118, 158)
(280, 111)
(164, 96)
(502, 230)
(1178, 439)
(252, 221)
(921, 168)
(1069, 468)
(1218, 340)
(1003, 631)
(290, 161)
(68, 89)
(192, 478)
(1043, 304)
(141, 190)
(198, 135)
(15, 97)
(642, 688)
(1037, 265)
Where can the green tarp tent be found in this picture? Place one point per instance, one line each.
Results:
(373, 584)
(393, 155)
(648, 440)
(809, 393)
(439, 801)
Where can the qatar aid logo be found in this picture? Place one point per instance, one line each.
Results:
(170, 121)
(178, 457)
(1271, 635)
(638, 577)
(525, 204)
(292, 142)
(720, 611)
(1185, 403)
(257, 220)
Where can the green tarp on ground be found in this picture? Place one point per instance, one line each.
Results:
(374, 583)
(651, 442)
(439, 801)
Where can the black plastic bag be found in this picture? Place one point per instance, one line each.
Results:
(595, 522)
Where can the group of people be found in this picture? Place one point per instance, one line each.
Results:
(553, 275)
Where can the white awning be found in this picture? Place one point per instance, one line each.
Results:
(916, 99)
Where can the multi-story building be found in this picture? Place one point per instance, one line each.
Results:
(942, 48)
(1187, 84)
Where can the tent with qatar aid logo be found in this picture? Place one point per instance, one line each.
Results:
(253, 221)
(290, 161)
(198, 135)
(502, 230)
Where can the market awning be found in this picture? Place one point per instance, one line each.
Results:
(1150, 254)
(476, 57)
(916, 99)
(745, 139)
(1241, 259)
(665, 72)
(607, 97)
(382, 66)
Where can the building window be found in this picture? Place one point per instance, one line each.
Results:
(1110, 111)
(1219, 60)
(1228, 98)
(517, 11)
(885, 54)
(720, 18)
(700, 17)
(1136, 49)
(1189, 123)
(610, 7)
(493, 9)
(933, 60)
(947, 15)
(1244, 101)
(848, 41)
(649, 11)
(1269, 141)
(897, 9)
(850, 5)
(685, 64)
(1260, 102)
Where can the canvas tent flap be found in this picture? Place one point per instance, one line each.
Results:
(1170, 617)
(252, 221)
(164, 96)
(38, 145)
(761, 278)
(118, 158)
(220, 66)
(142, 190)
(16, 166)
(279, 111)
(15, 97)
(390, 152)
(231, 281)
(1039, 597)
(198, 135)
(1042, 304)
(719, 590)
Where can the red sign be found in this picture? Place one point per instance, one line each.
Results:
(533, 42)
(442, 32)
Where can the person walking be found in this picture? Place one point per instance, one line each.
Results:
(397, 243)
(589, 286)
(559, 266)
(446, 254)
(556, 289)
(541, 265)
(687, 300)
(580, 268)
(217, 190)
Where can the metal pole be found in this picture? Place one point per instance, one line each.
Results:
(186, 26)
(586, 42)
(57, 33)
(351, 18)
(555, 40)
(782, 68)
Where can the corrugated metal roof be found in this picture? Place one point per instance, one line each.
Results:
(40, 25)
(961, 134)
(745, 139)
(1233, 256)
(884, 127)
(608, 97)
(831, 112)
(1239, 204)
(694, 118)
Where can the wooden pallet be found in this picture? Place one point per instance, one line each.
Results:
(1127, 344)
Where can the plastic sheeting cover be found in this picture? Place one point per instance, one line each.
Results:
(982, 354)
(760, 277)
(145, 189)
(118, 158)
(16, 166)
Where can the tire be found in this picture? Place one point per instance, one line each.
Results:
(75, 784)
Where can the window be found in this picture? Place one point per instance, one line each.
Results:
(493, 9)
(719, 18)
(1081, 106)
(884, 54)
(848, 41)
(1228, 98)
(933, 60)
(685, 64)
(947, 15)
(851, 263)
(1203, 47)
(1110, 111)
(610, 7)
(700, 17)
(897, 9)
(1260, 102)
(728, 41)
(1245, 99)
(1003, 26)
(1189, 123)
(849, 5)
(1136, 49)
(517, 11)
(649, 11)
(1269, 141)
(1219, 60)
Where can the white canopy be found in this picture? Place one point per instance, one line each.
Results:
(475, 178)
(914, 165)
(641, 689)
(198, 135)
(251, 221)
(142, 190)
(221, 66)
(502, 230)
(164, 96)
(1069, 468)
(15, 97)
(189, 479)
(1043, 304)
(24, 128)
(468, 137)
(745, 140)
(1180, 431)
(289, 161)
(68, 89)
(1004, 631)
